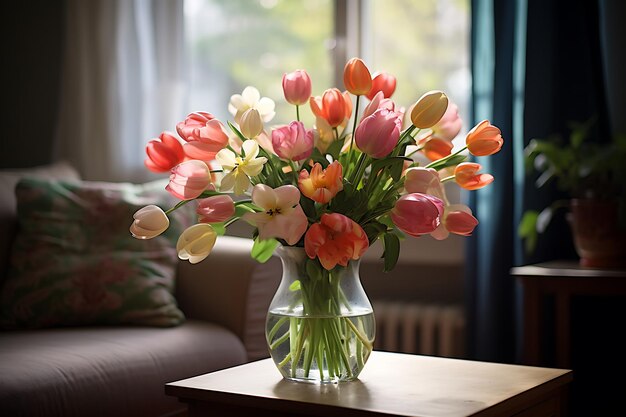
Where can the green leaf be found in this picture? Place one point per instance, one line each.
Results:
(219, 228)
(295, 286)
(262, 250)
(242, 209)
(444, 163)
(335, 148)
(527, 229)
(318, 157)
(392, 250)
(373, 229)
(236, 131)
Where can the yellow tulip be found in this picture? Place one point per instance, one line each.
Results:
(251, 124)
(429, 109)
(196, 242)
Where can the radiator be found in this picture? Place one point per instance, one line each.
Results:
(420, 328)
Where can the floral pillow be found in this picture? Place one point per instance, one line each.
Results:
(74, 261)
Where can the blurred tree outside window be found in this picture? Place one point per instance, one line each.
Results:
(236, 43)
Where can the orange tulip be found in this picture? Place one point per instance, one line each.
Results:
(357, 78)
(484, 139)
(466, 175)
(429, 109)
(321, 185)
(335, 240)
(382, 81)
(333, 106)
(435, 148)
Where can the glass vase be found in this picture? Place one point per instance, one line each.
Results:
(320, 325)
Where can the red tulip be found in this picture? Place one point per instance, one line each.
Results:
(165, 154)
(357, 78)
(382, 81)
(335, 240)
(297, 87)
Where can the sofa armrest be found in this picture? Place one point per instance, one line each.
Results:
(231, 289)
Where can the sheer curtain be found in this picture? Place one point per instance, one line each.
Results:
(122, 84)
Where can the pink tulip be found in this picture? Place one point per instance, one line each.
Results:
(457, 219)
(206, 141)
(378, 134)
(425, 181)
(417, 214)
(333, 106)
(215, 209)
(378, 102)
(165, 154)
(149, 221)
(282, 217)
(382, 82)
(297, 87)
(484, 139)
(293, 141)
(189, 179)
(460, 222)
(449, 126)
(335, 240)
(193, 121)
(467, 176)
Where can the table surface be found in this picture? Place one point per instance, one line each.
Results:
(390, 384)
(565, 268)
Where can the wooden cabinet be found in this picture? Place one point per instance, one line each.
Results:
(560, 280)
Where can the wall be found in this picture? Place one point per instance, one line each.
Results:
(32, 33)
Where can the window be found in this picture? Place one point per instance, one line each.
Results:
(424, 43)
(237, 43)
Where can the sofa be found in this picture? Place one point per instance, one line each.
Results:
(120, 370)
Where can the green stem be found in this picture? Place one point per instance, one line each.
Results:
(445, 159)
(297, 112)
(356, 116)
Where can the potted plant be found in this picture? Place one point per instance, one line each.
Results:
(592, 175)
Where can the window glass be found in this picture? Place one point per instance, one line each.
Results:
(236, 43)
(424, 43)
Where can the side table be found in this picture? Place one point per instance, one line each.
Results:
(561, 279)
(392, 384)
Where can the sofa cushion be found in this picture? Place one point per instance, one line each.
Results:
(74, 261)
(8, 206)
(107, 371)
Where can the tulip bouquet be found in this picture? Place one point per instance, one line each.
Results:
(333, 189)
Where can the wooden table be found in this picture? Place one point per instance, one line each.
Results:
(392, 384)
(562, 280)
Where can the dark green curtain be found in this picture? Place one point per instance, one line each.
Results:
(536, 65)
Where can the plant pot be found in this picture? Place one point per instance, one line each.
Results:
(320, 325)
(598, 238)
